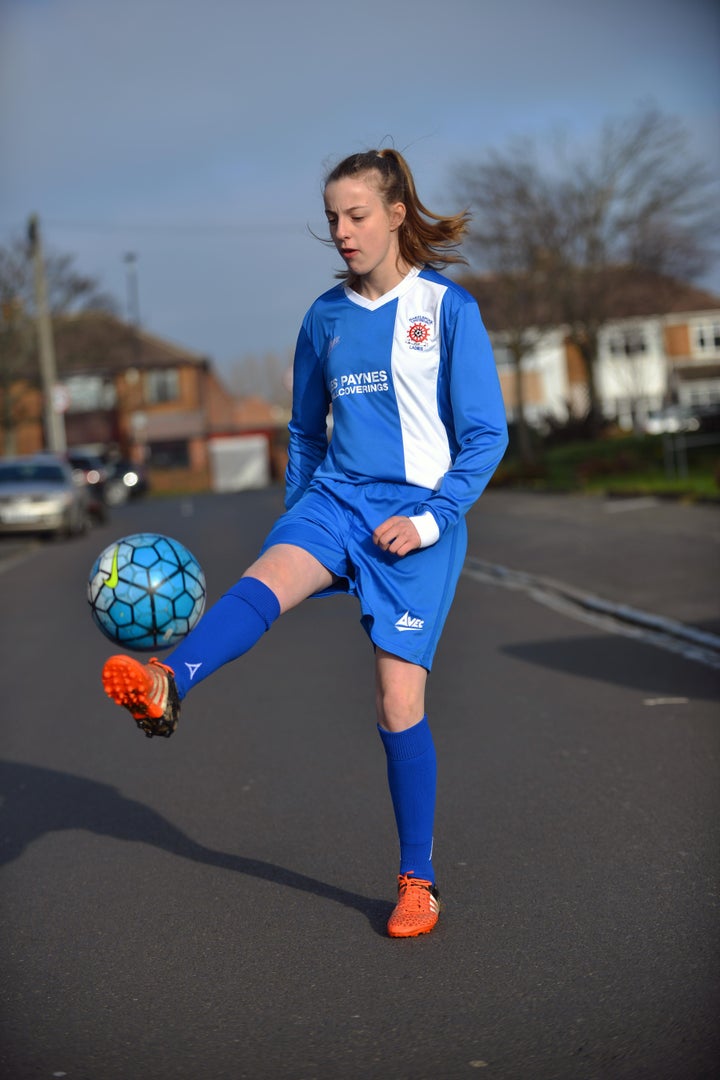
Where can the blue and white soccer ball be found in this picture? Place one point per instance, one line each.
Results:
(146, 592)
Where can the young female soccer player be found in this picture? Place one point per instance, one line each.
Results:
(399, 354)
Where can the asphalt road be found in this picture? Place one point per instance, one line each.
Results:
(213, 906)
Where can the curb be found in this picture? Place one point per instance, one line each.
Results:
(698, 644)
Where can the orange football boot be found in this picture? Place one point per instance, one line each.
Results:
(417, 909)
(147, 691)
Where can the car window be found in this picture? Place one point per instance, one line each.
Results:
(13, 474)
(50, 472)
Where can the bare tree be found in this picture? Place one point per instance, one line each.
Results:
(68, 291)
(570, 233)
(508, 302)
(266, 377)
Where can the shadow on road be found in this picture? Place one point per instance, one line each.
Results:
(36, 801)
(621, 662)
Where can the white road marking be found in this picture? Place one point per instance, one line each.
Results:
(621, 505)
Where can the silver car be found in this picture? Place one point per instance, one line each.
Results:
(39, 495)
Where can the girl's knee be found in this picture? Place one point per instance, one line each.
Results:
(399, 706)
(399, 691)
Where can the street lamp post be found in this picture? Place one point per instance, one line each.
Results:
(133, 295)
(137, 420)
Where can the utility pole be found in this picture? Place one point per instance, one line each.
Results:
(54, 422)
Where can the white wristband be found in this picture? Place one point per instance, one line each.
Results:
(427, 528)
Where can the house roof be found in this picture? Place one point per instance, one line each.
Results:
(626, 293)
(96, 340)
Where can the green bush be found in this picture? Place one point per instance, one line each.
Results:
(626, 464)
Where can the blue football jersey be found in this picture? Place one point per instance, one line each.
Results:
(411, 388)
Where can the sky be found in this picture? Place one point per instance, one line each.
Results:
(195, 135)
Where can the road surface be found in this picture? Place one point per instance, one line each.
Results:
(213, 905)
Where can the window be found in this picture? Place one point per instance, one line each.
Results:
(162, 385)
(707, 337)
(630, 342)
(89, 393)
(172, 454)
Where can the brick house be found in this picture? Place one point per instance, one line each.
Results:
(160, 404)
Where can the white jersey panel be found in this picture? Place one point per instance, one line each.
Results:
(414, 392)
(416, 354)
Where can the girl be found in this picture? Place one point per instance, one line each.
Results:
(400, 356)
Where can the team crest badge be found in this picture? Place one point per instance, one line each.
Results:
(418, 333)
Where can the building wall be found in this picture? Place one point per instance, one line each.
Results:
(219, 402)
(550, 359)
(532, 385)
(27, 435)
(631, 385)
(677, 339)
(545, 381)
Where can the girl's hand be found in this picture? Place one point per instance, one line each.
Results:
(397, 535)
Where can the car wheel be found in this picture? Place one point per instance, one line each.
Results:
(99, 514)
(116, 493)
(83, 524)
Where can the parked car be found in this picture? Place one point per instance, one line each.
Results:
(89, 471)
(39, 495)
(125, 480)
(670, 420)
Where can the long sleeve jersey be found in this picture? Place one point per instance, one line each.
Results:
(412, 385)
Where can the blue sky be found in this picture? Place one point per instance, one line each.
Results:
(196, 134)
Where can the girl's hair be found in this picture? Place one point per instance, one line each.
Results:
(423, 237)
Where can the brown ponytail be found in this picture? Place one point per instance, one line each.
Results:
(424, 238)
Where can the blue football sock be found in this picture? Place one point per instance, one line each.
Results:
(412, 776)
(227, 630)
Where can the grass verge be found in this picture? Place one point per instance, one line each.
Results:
(623, 466)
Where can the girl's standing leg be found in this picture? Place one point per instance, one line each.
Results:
(399, 691)
(412, 777)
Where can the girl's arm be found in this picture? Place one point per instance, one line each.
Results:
(477, 416)
(308, 426)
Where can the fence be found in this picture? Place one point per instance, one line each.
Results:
(675, 452)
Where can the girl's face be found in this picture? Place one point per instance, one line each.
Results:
(365, 231)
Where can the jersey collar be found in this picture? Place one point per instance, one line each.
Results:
(371, 305)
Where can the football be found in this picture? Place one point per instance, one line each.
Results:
(146, 592)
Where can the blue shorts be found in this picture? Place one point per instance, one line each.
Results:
(404, 602)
